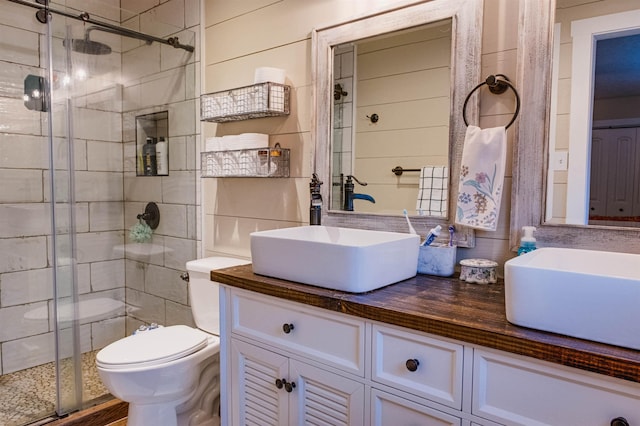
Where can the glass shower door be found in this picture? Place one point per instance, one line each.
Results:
(36, 267)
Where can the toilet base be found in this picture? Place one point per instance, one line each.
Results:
(200, 407)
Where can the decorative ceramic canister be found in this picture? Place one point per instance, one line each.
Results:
(478, 271)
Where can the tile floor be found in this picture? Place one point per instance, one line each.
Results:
(28, 395)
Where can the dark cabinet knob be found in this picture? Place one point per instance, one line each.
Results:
(287, 328)
(288, 386)
(619, 421)
(412, 364)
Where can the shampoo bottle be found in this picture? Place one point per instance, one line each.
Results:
(527, 242)
(149, 158)
(162, 156)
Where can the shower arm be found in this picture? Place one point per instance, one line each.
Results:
(43, 15)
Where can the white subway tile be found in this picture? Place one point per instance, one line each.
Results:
(19, 46)
(173, 220)
(22, 287)
(182, 118)
(163, 20)
(142, 188)
(106, 216)
(22, 186)
(25, 220)
(98, 186)
(178, 313)
(98, 246)
(107, 275)
(165, 283)
(28, 352)
(23, 320)
(145, 307)
(179, 187)
(181, 251)
(104, 156)
(134, 274)
(19, 254)
(107, 331)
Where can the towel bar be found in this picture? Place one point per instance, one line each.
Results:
(398, 170)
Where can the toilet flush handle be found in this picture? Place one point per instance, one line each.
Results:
(184, 276)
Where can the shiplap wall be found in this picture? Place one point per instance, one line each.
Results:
(405, 80)
(241, 36)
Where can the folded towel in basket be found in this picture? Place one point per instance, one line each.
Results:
(433, 189)
(481, 177)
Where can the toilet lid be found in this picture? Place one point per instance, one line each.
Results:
(152, 347)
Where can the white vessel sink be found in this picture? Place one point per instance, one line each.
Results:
(353, 260)
(589, 294)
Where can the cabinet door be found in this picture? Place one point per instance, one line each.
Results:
(324, 398)
(255, 398)
(387, 409)
(518, 391)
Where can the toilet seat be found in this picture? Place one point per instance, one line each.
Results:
(152, 347)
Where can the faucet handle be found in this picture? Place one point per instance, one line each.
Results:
(349, 177)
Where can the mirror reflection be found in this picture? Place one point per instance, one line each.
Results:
(594, 138)
(391, 104)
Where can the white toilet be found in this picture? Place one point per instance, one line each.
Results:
(170, 375)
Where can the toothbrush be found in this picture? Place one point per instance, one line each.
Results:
(406, 216)
(452, 230)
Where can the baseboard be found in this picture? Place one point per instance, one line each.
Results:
(99, 415)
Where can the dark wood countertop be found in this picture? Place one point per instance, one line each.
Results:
(451, 308)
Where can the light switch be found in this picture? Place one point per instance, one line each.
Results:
(560, 159)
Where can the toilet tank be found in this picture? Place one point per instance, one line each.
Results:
(203, 293)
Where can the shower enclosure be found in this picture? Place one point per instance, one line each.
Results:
(71, 281)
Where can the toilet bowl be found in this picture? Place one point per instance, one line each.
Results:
(169, 375)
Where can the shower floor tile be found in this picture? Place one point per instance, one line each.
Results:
(28, 395)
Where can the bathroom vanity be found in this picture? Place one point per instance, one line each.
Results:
(428, 351)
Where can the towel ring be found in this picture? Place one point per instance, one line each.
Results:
(497, 87)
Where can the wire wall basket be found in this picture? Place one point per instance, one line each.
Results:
(255, 101)
(255, 162)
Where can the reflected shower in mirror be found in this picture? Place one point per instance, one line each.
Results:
(391, 108)
(594, 137)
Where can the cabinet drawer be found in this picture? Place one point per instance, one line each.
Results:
(327, 337)
(520, 391)
(438, 372)
(387, 409)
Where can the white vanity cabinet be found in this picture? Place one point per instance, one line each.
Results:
(291, 364)
(287, 363)
(516, 390)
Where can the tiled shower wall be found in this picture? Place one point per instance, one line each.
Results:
(161, 78)
(144, 78)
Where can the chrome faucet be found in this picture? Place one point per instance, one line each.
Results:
(349, 195)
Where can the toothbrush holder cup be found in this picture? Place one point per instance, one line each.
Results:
(437, 260)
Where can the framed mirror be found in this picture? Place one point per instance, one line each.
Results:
(560, 117)
(389, 91)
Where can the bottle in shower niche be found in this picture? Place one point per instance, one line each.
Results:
(162, 156)
(149, 164)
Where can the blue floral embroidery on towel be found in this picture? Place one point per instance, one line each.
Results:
(480, 206)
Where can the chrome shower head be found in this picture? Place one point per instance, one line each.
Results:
(88, 46)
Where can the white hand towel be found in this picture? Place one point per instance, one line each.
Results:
(433, 189)
(481, 177)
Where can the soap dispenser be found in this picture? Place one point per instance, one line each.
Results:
(527, 242)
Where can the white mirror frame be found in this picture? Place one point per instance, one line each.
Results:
(531, 149)
(465, 75)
